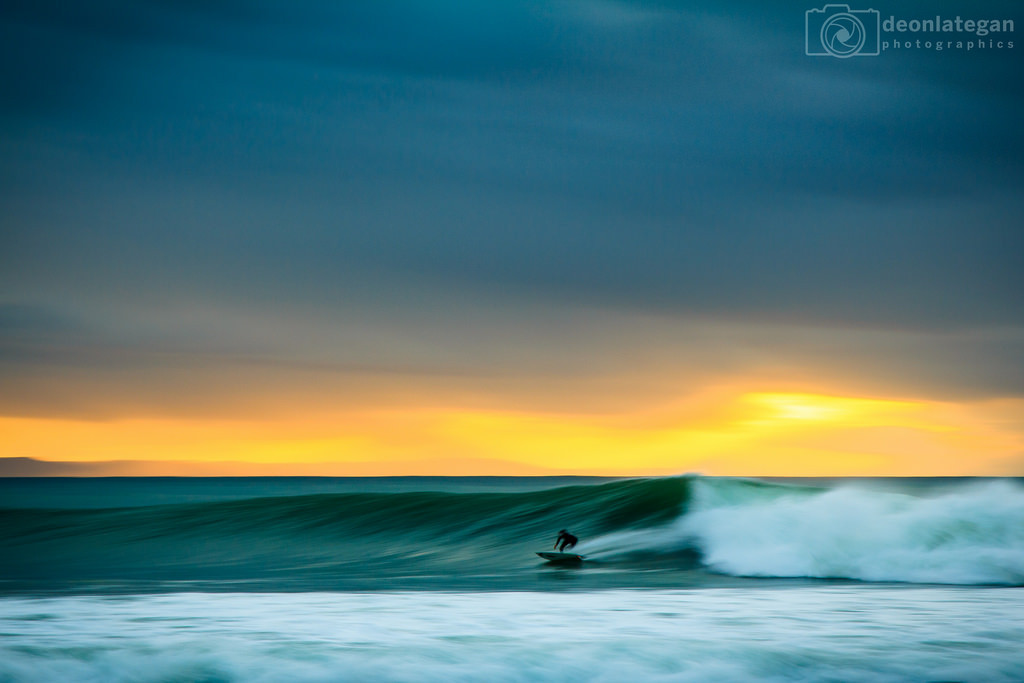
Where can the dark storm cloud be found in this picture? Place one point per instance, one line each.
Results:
(346, 157)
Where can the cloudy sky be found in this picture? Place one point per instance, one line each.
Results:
(594, 236)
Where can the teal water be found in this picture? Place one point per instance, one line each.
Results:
(686, 579)
(836, 633)
(482, 534)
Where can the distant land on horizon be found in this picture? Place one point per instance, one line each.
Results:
(32, 467)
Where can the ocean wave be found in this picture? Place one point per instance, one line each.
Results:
(973, 534)
(381, 535)
(967, 533)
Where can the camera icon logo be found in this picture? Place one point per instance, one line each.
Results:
(841, 32)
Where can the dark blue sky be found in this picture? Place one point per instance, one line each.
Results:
(506, 197)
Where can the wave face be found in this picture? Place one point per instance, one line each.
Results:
(677, 531)
(371, 539)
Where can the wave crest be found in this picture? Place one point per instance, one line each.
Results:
(972, 535)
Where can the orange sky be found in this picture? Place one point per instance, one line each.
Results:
(721, 432)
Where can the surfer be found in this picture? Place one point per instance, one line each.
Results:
(566, 540)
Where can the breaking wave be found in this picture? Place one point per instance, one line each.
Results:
(970, 534)
(964, 533)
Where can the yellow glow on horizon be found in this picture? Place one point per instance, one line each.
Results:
(738, 433)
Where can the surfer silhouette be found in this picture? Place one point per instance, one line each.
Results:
(565, 540)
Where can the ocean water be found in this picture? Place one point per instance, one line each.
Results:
(685, 579)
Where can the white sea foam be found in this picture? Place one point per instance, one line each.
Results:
(972, 535)
(848, 633)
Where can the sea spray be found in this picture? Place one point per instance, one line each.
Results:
(970, 535)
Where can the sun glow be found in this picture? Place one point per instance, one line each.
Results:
(786, 408)
(801, 406)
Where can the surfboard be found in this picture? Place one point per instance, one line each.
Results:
(561, 557)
